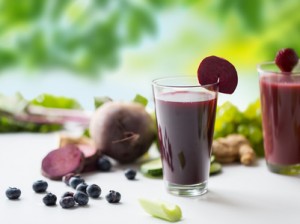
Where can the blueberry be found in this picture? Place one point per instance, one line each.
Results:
(66, 178)
(113, 197)
(81, 187)
(75, 181)
(49, 199)
(81, 198)
(67, 194)
(93, 190)
(67, 202)
(40, 186)
(103, 164)
(130, 174)
(13, 193)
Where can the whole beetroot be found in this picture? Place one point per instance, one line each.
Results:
(123, 131)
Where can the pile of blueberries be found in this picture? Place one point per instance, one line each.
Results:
(82, 193)
(69, 199)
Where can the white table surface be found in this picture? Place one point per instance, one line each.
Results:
(238, 195)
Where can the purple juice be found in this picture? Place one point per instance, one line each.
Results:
(280, 101)
(185, 127)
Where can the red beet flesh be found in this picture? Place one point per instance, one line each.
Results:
(59, 162)
(286, 59)
(213, 68)
(86, 146)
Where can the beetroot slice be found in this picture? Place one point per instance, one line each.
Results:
(213, 68)
(59, 162)
(286, 59)
(88, 151)
(86, 146)
(91, 155)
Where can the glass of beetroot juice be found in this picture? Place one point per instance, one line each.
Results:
(185, 113)
(280, 103)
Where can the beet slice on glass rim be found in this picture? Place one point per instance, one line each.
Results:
(286, 59)
(214, 69)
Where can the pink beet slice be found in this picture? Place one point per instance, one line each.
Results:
(88, 151)
(286, 59)
(60, 162)
(213, 69)
(91, 155)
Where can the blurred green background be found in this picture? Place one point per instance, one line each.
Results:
(133, 41)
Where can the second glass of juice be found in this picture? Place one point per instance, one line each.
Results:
(280, 103)
(185, 113)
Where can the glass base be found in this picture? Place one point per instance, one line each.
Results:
(284, 169)
(187, 190)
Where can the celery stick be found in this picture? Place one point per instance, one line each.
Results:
(162, 210)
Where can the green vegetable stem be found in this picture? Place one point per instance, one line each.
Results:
(46, 113)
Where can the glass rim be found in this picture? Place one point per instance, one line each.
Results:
(262, 70)
(198, 85)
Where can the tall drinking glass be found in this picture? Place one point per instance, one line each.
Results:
(280, 103)
(185, 113)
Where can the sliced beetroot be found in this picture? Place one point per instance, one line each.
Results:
(286, 59)
(213, 69)
(62, 161)
(91, 155)
(86, 146)
(89, 152)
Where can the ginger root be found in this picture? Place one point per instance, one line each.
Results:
(234, 147)
(65, 140)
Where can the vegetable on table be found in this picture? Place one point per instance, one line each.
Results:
(45, 113)
(123, 131)
(154, 169)
(215, 167)
(86, 146)
(60, 162)
(74, 155)
(160, 209)
(234, 147)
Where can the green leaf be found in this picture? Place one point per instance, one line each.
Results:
(139, 21)
(251, 13)
(86, 133)
(99, 101)
(81, 36)
(52, 101)
(140, 99)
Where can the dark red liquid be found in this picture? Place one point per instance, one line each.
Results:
(280, 99)
(185, 126)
